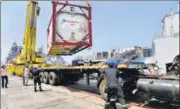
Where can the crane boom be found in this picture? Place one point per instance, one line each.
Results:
(30, 32)
(28, 54)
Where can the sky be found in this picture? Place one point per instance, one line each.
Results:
(115, 24)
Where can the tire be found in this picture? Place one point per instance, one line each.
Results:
(53, 78)
(176, 60)
(102, 88)
(41, 77)
(46, 78)
(175, 66)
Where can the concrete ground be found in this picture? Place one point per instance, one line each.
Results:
(17, 96)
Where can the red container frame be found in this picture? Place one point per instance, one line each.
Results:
(79, 45)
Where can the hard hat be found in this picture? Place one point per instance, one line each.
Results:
(111, 63)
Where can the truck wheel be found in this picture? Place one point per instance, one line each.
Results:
(53, 78)
(46, 78)
(102, 88)
(176, 60)
(41, 77)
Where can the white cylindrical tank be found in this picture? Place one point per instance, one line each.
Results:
(70, 29)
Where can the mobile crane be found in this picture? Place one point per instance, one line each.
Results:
(60, 74)
(28, 55)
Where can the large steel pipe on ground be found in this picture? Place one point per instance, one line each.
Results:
(158, 88)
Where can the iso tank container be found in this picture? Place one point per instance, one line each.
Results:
(70, 29)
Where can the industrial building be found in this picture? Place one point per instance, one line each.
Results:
(166, 47)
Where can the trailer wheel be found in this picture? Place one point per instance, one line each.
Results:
(176, 60)
(53, 78)
(41, 77)
(174, 68)
(46, 78)
(102, 88)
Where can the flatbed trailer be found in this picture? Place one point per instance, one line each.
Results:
(64, 74)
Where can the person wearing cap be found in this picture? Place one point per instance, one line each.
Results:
(36, 77)
(4, 77)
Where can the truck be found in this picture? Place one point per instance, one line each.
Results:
(70, 32)
(143, 81)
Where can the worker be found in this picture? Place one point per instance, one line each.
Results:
(111, 73)
(36, 77)
(25, 75)
(4, 76)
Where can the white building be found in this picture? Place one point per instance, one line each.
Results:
(166, 48)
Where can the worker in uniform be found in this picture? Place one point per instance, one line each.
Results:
(25, 75)
(4, 77)
(36, 77)
(111, 73)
